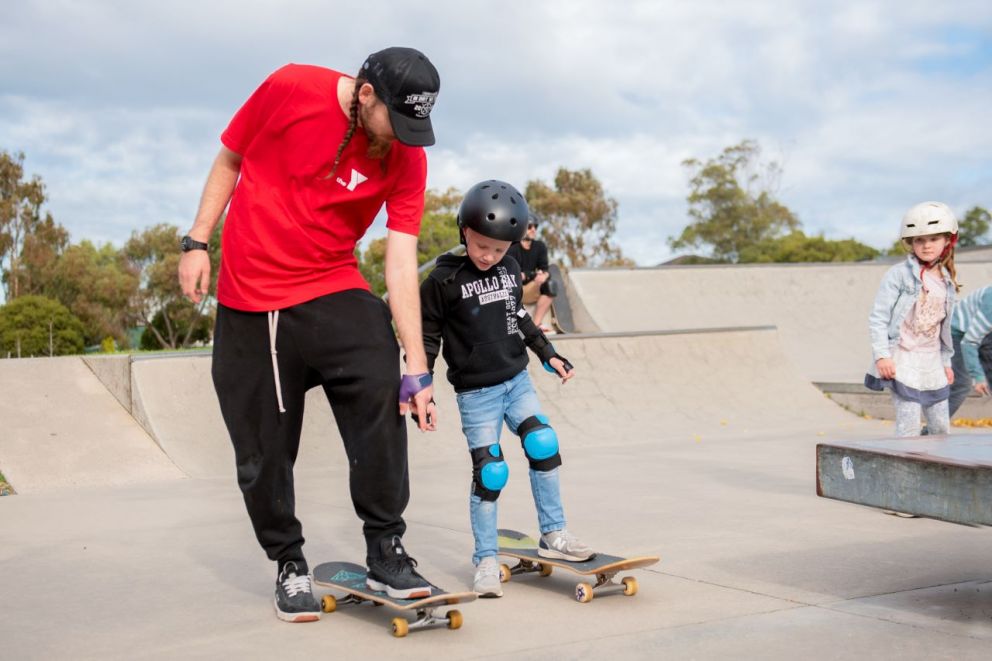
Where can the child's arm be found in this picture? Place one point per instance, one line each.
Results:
(432, 319)
(878, 325)
(538, 342)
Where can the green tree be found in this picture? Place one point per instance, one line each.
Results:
(39, 326)
(579, 219)
(797, 247)
(732, 203)
(153, 255)
(439, 226)
(98, 285)
(974, 227)
(438, 233)
(20, 215)
(42, 249)
(160, 327)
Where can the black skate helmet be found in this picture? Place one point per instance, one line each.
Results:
(494, 209)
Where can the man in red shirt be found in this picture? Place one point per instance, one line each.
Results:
(306, 164)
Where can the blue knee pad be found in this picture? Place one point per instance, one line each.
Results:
(540, 443)
(489, 472)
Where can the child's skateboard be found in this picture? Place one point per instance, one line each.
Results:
(351, 578)
(604, 567)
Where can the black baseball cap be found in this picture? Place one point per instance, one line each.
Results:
(406, 81)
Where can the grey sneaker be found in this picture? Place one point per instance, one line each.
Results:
(563, 545)
(294, 595)
(487, 582)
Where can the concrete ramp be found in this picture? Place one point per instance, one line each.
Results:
(66, 427)
(655, 386)
(174, 399)
(60, 427)
(821, 310)
(695, 384)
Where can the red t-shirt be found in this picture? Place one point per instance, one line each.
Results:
(291, 231)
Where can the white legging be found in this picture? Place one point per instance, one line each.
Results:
(908, 416)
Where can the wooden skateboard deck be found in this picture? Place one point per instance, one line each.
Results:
(352, 579)
(604, 567)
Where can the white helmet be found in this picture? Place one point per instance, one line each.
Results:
(928, 218)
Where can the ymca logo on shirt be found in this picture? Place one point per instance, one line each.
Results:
(356, 178)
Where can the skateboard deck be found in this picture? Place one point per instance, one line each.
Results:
(604, 567)
(560, 314)
(351, 579)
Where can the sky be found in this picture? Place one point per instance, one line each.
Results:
(869, 107)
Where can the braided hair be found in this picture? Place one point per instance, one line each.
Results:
(352, 123)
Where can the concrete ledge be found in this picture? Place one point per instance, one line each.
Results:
(947, 478)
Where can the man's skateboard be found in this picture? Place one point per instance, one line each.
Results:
(351, 578)
(604, 567)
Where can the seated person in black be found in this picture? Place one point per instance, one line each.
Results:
(532, 255)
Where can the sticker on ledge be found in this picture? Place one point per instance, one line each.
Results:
(847, 466)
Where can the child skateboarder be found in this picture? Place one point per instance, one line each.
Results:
(472, 304)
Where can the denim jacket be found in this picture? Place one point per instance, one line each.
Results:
(896, 295)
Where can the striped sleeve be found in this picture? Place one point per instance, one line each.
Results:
(973, 316)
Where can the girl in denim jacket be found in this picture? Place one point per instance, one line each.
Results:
(910, 322)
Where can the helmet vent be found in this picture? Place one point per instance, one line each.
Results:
(495, 196)
(491, 216)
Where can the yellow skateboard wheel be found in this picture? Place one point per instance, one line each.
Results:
(583, 593)
(454, 619)
(400, 627)
(629, 586)
(328, 603)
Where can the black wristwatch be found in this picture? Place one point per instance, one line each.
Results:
(188, 243)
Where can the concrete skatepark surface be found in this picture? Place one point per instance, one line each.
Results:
(128, 537)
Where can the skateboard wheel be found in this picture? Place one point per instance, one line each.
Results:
(454, 619)
(504, 574)
(629, 586)
(328, 603)
(400, 627)
(583, 593)
(545, 569)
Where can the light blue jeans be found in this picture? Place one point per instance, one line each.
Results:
(483, 412)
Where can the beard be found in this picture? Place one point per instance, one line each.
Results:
(378, 145)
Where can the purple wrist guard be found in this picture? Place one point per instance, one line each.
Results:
(411, 384)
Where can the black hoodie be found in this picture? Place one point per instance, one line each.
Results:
(475, 313)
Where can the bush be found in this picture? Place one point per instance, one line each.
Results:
(39, 326)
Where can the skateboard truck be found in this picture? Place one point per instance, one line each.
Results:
(601, 568)
(427, 617)
(584, 592)
(352, 579)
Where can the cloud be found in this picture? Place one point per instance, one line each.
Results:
(869, 106)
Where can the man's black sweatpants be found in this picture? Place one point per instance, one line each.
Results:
(345, 343)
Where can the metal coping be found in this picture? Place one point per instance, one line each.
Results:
(554, 338)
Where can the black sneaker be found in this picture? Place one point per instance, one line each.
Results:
(393, 572)
(294, 595)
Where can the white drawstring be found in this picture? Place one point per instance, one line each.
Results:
(273, 323)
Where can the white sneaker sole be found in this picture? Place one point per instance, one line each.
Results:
(558, 555)
(409, 593)
(488, 594)
(296, 617)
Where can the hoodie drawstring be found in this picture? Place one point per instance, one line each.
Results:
(273, 324)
